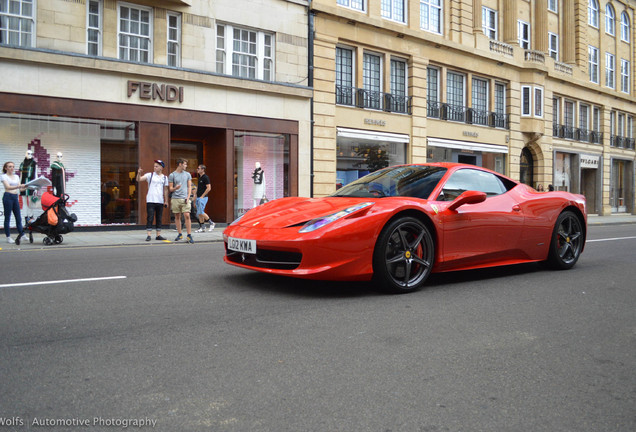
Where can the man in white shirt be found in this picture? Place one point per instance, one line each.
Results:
(157, 197)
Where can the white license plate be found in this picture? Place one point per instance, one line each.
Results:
(241, 245)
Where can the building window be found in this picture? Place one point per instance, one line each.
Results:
(524, 34)
(17, 23)
(372, 80)
(432, 92)
(344, 76)
(174, 40)
(556, 110)
(500, 98)
(584, 117)
(625, 27)
(592, 13)
(568, 119)
(394, 10)
(135, 30)
(612, 123)
(251, 53)
(455, 90)
(596, 120)
(625, 76)
(480, 101)
(398, 86)
(553, 5)
(610, 70)
(593, 63)
(610, 20)
(526, 101)
(538, 102)
(553, 48)
(431, 15)
(353, 4)
(489, 22)
(94, 28)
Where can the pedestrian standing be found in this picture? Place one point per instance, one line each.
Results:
(10, 200)
(157, 197)
(203, 190)
(180, 184)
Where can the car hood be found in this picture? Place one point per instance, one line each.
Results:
(295, 211)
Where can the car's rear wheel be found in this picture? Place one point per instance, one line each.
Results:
(567, 241)
(403, 256)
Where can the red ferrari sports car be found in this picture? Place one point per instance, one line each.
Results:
(399, 224)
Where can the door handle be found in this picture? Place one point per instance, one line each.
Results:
(516, 208)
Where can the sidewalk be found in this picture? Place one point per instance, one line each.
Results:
(93, 236)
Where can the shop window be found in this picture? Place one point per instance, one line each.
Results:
(135, 34)
(94, 27)
(17, 23)
(262, 169)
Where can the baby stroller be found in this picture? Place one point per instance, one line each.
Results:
(54, 222)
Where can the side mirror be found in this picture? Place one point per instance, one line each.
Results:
(468, 197)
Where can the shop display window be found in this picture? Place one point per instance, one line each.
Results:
(492, 161)
(357, 158)
(261, 171)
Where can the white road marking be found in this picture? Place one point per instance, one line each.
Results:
(611, 239)
(61, 281)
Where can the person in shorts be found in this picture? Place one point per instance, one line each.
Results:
(203, 189)
(179, 184)
(157, 197)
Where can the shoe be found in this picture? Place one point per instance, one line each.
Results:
(200, 230)
(212, 225)
(179, 237)
(148, 238)
(190, 240)
(10, 240)
(159, 238)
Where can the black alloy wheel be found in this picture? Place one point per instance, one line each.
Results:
(567, 242)
(404, 255)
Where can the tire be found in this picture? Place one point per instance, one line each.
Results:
(567, 241)
(404, 255)
(59, 239)
(47, 241)
(30, 237)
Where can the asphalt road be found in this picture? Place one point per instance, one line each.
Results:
(187, 343)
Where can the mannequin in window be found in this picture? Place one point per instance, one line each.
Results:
(259, 184)
(27, 173)
(58, 176)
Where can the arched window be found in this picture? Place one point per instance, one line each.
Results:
(592, 13)
(625, 27)
(610, 20)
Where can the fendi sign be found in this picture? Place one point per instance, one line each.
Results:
(147, 90)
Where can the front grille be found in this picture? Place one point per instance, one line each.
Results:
(266, 258)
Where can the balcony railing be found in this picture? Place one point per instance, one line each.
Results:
(577, 134)
(444, 111)
(362, 98)
(534, 56)
(501, 48)
(622, 142)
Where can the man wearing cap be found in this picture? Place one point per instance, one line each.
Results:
(157, 197)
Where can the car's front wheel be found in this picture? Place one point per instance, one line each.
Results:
(567, 242)
(403, 256)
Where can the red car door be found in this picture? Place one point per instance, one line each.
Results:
(476, 235)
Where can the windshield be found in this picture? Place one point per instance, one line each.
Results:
(417, 181)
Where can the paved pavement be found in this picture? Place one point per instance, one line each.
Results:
(106, 236)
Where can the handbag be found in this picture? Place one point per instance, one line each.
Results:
(264, 200)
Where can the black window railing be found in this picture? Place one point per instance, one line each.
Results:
(362, 98)
(444, 111)
(577, 134)
(622, 142)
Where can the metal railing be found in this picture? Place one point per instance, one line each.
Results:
(622, 142)
(444, 111)
(362, 98)
(576, 134)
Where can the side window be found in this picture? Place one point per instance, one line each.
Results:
(469, 179)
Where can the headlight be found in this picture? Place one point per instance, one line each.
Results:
(320, 222)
